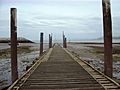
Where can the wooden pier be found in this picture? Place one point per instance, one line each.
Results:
(59, 69)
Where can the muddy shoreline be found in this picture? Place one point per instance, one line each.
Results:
(94, 54)
(27, 53)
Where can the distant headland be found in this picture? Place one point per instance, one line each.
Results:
(20, 40)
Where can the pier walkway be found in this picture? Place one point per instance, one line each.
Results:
(58, 70)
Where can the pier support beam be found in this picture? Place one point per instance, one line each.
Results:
(107, 24)
(65, 42)
(14, 66)
(50, 41)
(41, 43)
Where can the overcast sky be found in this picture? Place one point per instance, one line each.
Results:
(79, 19)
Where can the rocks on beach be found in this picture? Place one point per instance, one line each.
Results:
(88, 53)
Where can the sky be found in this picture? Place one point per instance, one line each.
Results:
(79, 19)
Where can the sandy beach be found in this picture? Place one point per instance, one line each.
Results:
(92, 53)
(24, 60)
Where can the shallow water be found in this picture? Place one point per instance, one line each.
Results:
(4, 45)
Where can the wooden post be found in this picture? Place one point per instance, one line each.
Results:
(65, 42)
(49, 41)
(41, 43)
(107, 24)
(14, 66)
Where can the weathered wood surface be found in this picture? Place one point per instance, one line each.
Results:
(13, 30)
(60, 72)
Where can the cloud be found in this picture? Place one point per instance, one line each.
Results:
(45, 0)
(74, 28)
(81, 18)
(68, 25)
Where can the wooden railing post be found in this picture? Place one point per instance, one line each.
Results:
(107, 24)
(51, 41)
(14, 66)
(41, 43)
(65, 42)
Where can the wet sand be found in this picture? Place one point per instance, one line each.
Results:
(85, 52)
(88, 53)
(24, 60)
